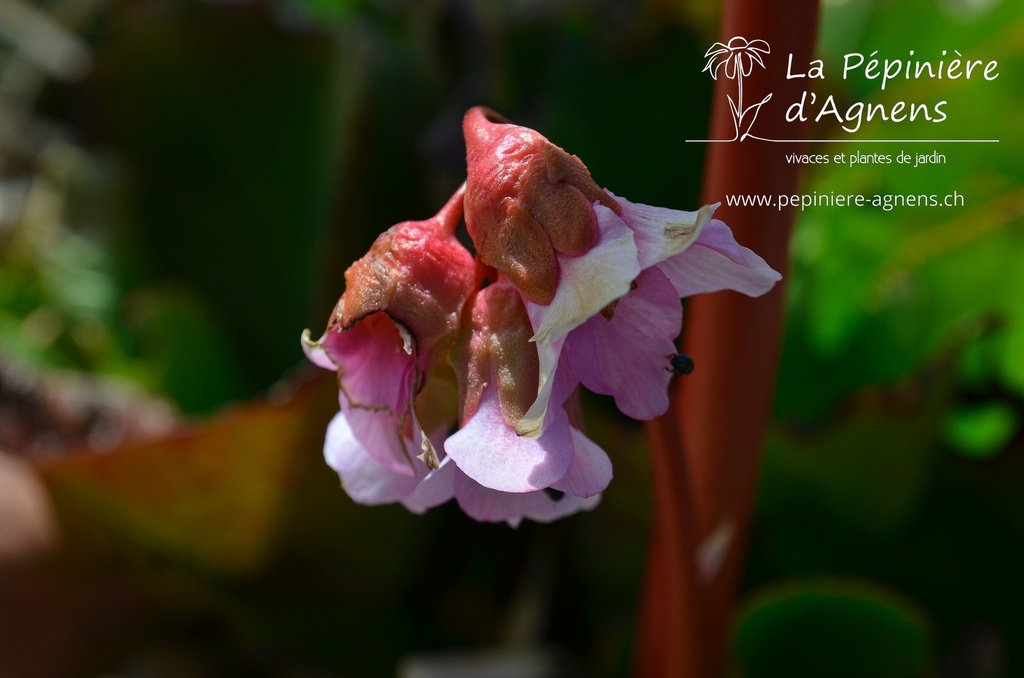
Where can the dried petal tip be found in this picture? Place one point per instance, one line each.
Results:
(527, 199)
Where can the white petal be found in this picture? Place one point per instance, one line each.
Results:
(718, 262)
(532, 423)
(487, 450)
(660, 232)
(365, 479)
(588, 283)
(437, 488)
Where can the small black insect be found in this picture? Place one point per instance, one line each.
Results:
(681, 363)
(554, 495)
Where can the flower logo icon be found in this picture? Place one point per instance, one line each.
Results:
(737, 58)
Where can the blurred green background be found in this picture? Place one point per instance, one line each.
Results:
(182, 186)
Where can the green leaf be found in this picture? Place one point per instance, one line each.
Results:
(982, 430)
(835, 628)
(879, 445)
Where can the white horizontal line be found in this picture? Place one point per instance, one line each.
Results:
(851, 141)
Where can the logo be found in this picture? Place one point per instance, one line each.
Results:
(736, 59)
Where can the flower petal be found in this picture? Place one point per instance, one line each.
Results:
(555, 387)
(717, 262)
(365, 479)
(376, 362)
(587, 284)
(317, 351)
(545, 509)
(590, 471)
(379, 433)
(660, 232)
(484, 504)
(627, 355)
(434, 490)
(713, 66)
(590, 282)
(490, 452)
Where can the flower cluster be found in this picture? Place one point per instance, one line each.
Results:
(570, 285)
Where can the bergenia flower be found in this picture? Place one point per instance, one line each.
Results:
(497, 368)
(638, 260)
(584, 288)
(494, 474)
(626, 352)
(394, 322)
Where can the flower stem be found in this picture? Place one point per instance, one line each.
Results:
(669, 635)
(705, 452)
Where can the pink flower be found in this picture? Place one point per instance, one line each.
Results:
(611, 307)
(497, 368)
(626, 352)
(584, 289)
(398, 317)
(392, 325)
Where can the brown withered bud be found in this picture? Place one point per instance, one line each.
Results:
(527, 199)
(493, 346)
(417, 273)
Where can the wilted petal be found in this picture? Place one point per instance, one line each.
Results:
(627, 355)
(376, 364)
(365, 479)
(489, 451)
(588, 284)
(317, 351)
(559, 382)
(717, 262)
(376, 370)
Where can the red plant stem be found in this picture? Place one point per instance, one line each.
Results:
(705, 452)
(669, 642)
